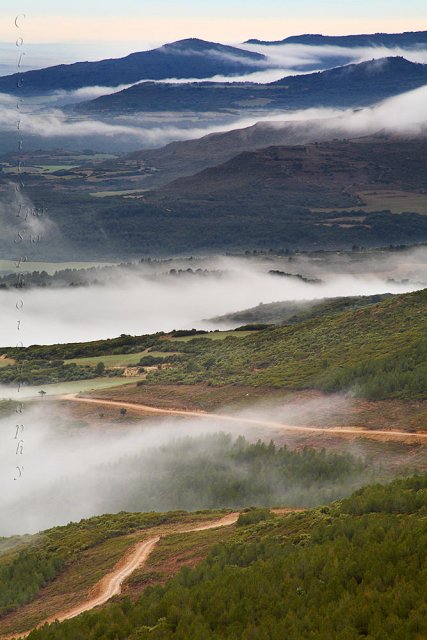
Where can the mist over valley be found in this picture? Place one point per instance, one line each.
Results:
(213, 352)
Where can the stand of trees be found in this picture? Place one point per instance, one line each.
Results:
(321, 575)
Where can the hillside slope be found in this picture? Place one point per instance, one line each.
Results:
(294, 311)
(304, 197)
(353, 85)
(345, 571)
(336, 170)
(191, 58)
(57, 569)
(156, 167)
(378, 352)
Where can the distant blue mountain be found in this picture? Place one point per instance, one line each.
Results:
(406, 40)
(350, 86)
(191, 58)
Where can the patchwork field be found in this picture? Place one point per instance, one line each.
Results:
(385, 200)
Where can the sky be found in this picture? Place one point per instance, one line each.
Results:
(133, 21)
(57, 32)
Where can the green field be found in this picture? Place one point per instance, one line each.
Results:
(38, 169)
(93, 157)
(119, 360)
(390, 200)
(214, 335)
(75, 386)
(6, 362)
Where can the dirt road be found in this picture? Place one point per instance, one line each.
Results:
(111, 584)
(375, 434)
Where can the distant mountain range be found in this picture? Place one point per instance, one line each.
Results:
(307, 197)
(328, 174)
(193, 58)
(353, 85)
(190, 58)
(184, 158)
(406, 40)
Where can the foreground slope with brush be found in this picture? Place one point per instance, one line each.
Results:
(349, 570)
(66, 570)
(378, 351)
(375, 349)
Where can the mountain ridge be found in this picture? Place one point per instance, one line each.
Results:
(187, 58)
(408, 38)
(352, 85)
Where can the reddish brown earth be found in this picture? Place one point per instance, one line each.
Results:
(111, 584)
(344, 431)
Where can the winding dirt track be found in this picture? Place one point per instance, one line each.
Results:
(375, 434)
(111, 584)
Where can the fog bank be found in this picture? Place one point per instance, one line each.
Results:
(71, 472)
(142, 303)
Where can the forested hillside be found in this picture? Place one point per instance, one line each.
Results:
(330, 195)
(375, 349)
(351, 570)
(293, 311)
(378, 352)
(350, 86)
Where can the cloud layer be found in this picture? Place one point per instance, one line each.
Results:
(140, 304)
(404, 114)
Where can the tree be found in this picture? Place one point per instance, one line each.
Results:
(100, 369)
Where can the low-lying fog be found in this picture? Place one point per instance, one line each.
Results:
(46, 126)
(141, 301)
(56, 471)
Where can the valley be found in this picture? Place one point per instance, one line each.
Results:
(213, 327)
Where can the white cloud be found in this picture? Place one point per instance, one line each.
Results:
(144, 303)
(297, 55)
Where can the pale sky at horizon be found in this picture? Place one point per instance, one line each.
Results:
(96, 29)
(155, 21)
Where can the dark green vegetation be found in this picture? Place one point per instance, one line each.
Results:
(350, 86)
(353, 569)
(376, 349)
(206, 472)
(304, 197)
(191, 58)
(44, 364)
(86, 276)
(379, 351)
(122, 345)
(41, 371)
(28, 563)
(292, 312)
(218, 471)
